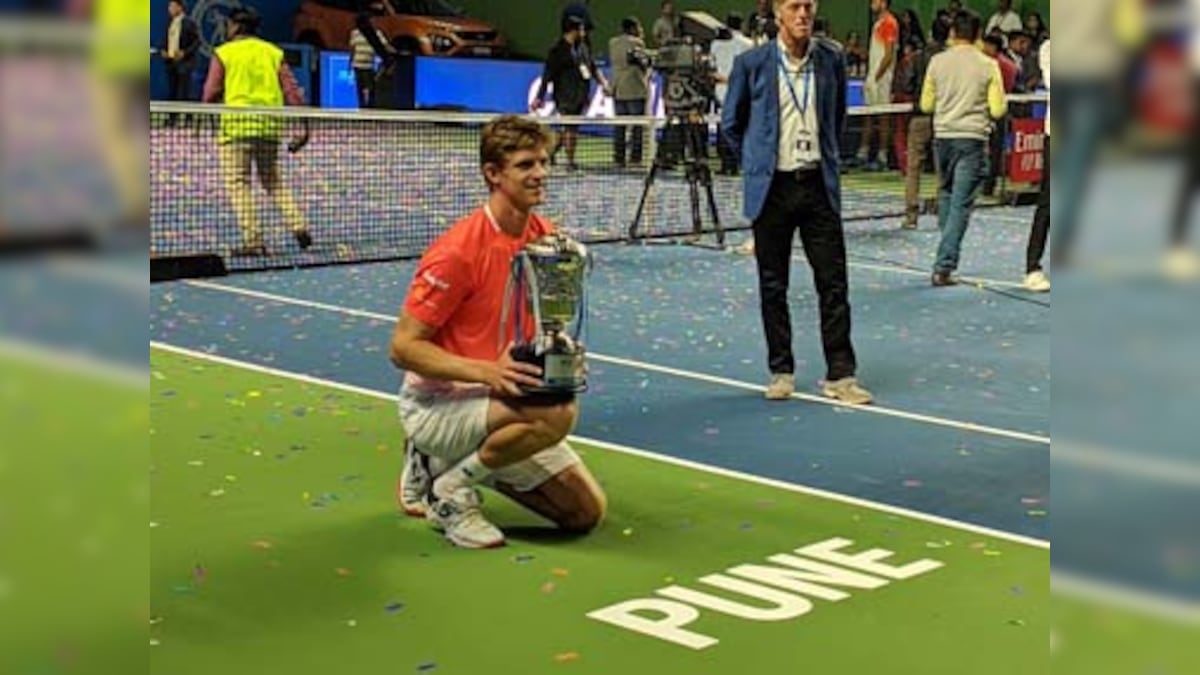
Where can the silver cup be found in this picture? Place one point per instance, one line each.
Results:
(545, 311)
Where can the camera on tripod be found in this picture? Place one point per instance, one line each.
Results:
(689, 78)
(686, 65)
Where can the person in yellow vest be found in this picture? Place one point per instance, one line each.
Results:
(120, 86)
(251, 72)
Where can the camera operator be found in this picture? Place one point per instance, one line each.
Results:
(630, 82)
(723, 54)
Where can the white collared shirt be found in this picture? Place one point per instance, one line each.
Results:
(799, 134)
(174, 32)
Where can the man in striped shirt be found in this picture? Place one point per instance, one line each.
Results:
(964, 92)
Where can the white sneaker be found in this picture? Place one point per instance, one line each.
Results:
(745, 248)
(781, 387)
(415, 481)
(1182, 264)
(1037, 282)
(459, 518)
(847, 390)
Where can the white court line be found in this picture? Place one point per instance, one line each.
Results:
(1144, 466)
(76, 363)
(1151, 604)
(973, 281)
(675, 372)
(645, 454)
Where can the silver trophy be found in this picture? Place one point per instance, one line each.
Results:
(544, 312)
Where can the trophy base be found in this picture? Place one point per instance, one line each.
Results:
(558, 369)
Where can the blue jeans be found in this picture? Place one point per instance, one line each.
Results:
(962, 169)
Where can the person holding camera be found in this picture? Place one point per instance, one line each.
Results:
(784, 116)
(249, 72)
(630, 74)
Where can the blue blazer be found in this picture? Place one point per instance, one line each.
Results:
(750, 118)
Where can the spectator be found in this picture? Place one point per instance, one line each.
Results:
(761, 25)
(1020, 44)
(180, 53)
(724, 53)
(1005, 19)
(1035, 27)
(569, 68)
(993, 46)
(251, 72)
(1035, 277)
(881, 70)
(362, 59)
(856, 55)
(666, 26)
(630, 82)
(920, 127)
(964, 92)
(911, 33)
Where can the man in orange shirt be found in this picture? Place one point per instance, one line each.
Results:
(467, 420)
(877, 89)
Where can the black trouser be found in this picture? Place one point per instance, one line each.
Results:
(179, 87)
(364, 82)
(800, 201)
(626, 108)
(1191, 183)
(1041, 218)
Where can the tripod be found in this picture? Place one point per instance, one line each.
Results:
(695, 170)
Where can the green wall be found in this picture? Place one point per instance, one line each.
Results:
(532, 25)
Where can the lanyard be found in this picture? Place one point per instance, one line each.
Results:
(807, 69)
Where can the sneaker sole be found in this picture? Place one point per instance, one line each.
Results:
(864, 401)
(466, 544)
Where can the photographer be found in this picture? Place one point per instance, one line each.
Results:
(630, 74)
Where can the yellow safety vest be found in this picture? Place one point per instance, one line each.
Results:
(122, 31)
(251, 80)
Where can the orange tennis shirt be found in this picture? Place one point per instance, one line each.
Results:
(459, 284)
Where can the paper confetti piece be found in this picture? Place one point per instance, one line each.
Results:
(913, 483)
(343, 572)
(1037, 513)
(991, 553)
(627, 531)
(155, 620)
(1016, 622)
(938, 544)
(559, 572)
(153, 524)
(522, 558)
(566, 657)
(231, 478)
(351, 623)
(262, 544)
(154, 642)
(426, 667)
(196, 462)
(1031, 501)
(254, 394)
(394, 607)
(548, 587)
(219, 492)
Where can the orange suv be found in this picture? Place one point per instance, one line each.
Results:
(425, 27)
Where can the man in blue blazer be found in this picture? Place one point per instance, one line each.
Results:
(783, 114)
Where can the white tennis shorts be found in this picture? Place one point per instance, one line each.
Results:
(450, 427)
(877, 92)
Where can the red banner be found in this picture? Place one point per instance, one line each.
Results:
(1026, 158)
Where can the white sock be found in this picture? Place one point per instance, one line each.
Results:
(469, 471)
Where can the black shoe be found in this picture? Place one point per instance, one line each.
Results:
(941, 279)
(303, 238)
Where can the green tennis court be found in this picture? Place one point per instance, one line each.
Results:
(276, 548)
